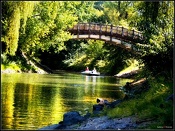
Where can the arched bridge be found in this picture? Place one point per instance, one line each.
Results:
(112, 34)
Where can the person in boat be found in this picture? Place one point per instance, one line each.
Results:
(87, 68)
(94, 70)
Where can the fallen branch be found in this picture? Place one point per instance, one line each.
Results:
(145, 120)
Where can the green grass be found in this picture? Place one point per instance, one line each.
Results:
(12, 66)
(133, 65)
(150, 104)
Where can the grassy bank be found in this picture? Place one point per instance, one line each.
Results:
(16, 67)
(150, 104)
(12, 64)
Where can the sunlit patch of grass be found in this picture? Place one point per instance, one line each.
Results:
(133, 65)
(12, 66)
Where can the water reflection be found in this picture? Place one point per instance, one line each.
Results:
(31, 101)
(8, 101)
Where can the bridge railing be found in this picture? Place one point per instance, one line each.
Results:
(108, 30)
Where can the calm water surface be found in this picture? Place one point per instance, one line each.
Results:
(31, 101)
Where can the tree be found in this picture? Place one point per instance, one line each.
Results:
(120, 13)
(48, 28)
(14, 16)
(157, 22)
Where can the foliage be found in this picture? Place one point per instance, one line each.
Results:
(157, 23)
(88, 55)
(47, 29)
(121, 13)
(13, 12)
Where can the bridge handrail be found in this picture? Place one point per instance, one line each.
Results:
(104, 28)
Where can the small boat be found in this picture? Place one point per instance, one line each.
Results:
(91, 73)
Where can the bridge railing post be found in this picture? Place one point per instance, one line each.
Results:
(127, 32)
(140, 36)
(111, 32)
(117, 30)
(95, 28)
(133, 34)
(78, 30)
(84, 26)
(106, 28)
(100, 31)
(89, 30)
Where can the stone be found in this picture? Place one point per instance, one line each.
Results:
(87, 115)
(51, 127)
(98, 107)
(72, 117)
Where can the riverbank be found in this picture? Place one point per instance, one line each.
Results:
(104, 123)
(10, 71)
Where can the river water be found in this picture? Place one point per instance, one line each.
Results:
(31, 101)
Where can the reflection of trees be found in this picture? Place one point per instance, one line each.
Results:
(47, 93)
(7, 105)
(22, 104)
(71, 94)
(111, 94)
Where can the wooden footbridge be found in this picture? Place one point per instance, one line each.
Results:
(119, 36)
